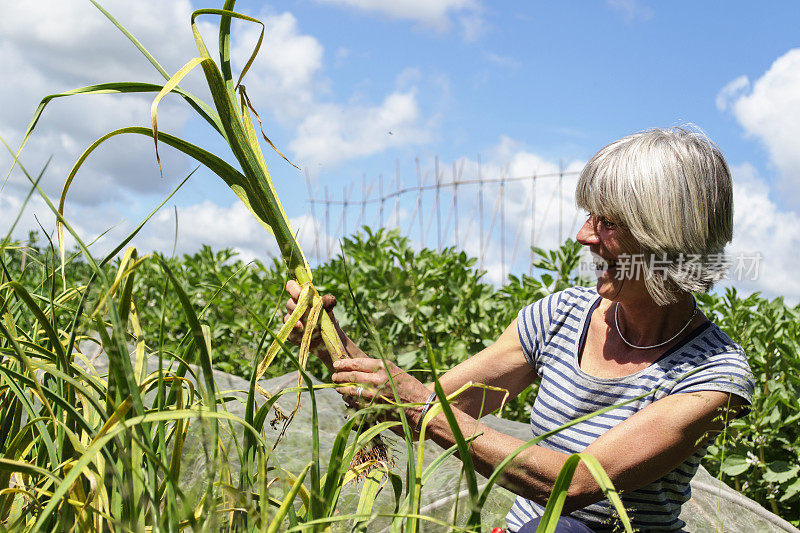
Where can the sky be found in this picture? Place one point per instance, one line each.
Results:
(351, 90)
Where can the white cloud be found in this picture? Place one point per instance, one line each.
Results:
(198, 224)
(556, 217)
(286, 75)
(58, 45)
(631, 10)
(333, 133)
(226, 227)
(288, 81)
(508, 253)
(731, 92)
(761, 228)
(769, 110)
(438, 14)
(71, 39)
(473, 26)
(341, 55)
(100, 227)
(205, 223)
(551, 199)
(502, 61)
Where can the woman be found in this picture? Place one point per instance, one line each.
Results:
(661, 212)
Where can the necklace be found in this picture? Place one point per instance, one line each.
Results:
(616, 323)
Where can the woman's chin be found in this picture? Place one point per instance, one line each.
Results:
(607, 284)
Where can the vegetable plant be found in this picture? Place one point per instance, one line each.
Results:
(232, 118)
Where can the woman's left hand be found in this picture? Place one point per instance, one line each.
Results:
(372, 377)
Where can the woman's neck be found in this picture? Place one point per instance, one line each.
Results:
(643, 322)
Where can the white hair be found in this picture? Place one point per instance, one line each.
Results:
(671, 188)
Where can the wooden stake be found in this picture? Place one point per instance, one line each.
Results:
(533, 221)
(455, 205)
(560, 203)
(313, 215)
(380, 193)
(503, 227)
(327, 225)
(438, 209)
(480, 210)
(419, 203)
(396, 211)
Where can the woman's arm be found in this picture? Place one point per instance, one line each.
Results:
(636, 452)
(501, 365)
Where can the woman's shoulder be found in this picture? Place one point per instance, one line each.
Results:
(565, 301)
(706, 345)
(579, 294)
(559, 314)
(711, 360)
(714, 342)
(567, 306)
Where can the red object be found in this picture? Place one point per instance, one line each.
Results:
(497, 530)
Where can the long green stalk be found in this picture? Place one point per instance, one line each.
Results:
(231, 118)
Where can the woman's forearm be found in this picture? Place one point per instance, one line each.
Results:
(531, 474)
(500, 372)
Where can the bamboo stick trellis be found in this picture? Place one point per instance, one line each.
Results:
(416, 210)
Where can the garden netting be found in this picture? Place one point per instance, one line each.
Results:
(713, 507)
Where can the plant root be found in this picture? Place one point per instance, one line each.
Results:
(279, 417)
(375, 453)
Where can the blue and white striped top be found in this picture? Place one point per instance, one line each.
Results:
(551, 332)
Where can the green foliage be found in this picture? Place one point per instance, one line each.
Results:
(761, 452)
(557, 271)
(413, 297)
(238, 302)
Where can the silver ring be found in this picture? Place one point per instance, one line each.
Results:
(359, 392)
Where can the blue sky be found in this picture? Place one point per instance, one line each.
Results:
(363, 87)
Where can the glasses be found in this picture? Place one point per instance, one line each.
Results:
(601, 221)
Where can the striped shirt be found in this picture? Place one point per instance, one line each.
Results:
(552, 332)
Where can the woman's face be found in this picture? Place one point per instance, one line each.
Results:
(617, 265)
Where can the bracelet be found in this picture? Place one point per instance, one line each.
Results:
(424, 411)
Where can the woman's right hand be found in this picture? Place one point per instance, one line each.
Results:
(317, 346)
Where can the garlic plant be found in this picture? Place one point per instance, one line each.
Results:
(231, 117)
